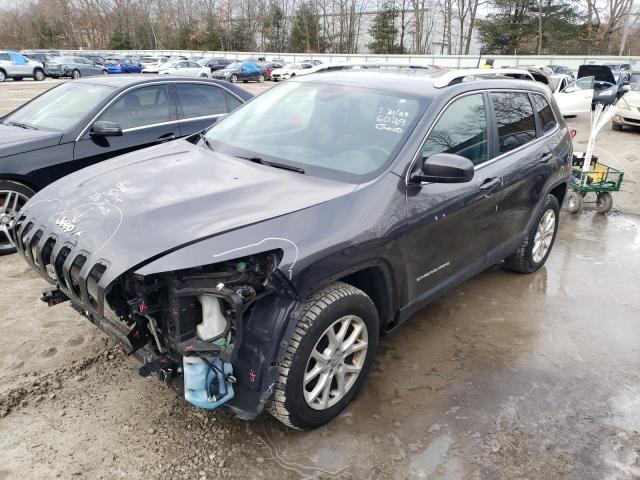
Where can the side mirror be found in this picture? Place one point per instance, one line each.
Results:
(102, 128)
(244, 69)
(446, 168)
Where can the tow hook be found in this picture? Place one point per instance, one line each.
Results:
(53, 296)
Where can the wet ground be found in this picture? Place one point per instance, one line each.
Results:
(508, 376)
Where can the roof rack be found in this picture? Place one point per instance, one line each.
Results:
(453, 77)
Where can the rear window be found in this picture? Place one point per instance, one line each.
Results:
(545, 114)
(515, 120)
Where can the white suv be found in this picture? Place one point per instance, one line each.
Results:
(16, 66)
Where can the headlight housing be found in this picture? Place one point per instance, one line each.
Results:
(622, 103)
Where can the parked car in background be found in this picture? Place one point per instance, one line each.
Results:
(628, 109)
(558, 82)
(539, 74)
(43, 58)
(634, 77)
(16, 66)
(97, 59)
(214, 63)
(606, 88)
(122, 65)
(41, 142)
(185, 68)
(270, 67)
(574, 97)
(74, 67)
(153, 64)
(290, 70)
(241, 72)
(562, 70)
(258, 265)
(177, 57)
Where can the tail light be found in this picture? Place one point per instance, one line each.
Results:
(572, 132)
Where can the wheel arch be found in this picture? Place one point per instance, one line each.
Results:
(560, 192)
(21, 180)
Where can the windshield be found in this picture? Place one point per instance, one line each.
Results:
(171, 63)
(50, 111)
(234, 66)
(203, 61)
(114, 61)
(292, 65)
(340, 132)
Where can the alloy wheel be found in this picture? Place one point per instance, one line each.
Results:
(544, 236)
(10, 204)
(335, 362)
(3, 77)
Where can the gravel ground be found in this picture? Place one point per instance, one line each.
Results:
(507, 376)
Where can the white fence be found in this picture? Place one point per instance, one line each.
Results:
(451, 61)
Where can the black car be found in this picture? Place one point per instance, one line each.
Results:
(43, 58)
(215, 63)
(80, 123)
(256, 266)
(607, 86)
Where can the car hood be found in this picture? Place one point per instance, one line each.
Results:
(16, 140)
(139, 206)
(599, 72)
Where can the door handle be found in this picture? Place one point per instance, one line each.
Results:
(545, 158)
(167, 137)
(490, 184)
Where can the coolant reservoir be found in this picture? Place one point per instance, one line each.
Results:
(213, 322)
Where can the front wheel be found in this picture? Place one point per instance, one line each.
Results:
(104, 72)
(76, 74)
(233, 78)
(537, 245)
(328, 356)
(13, 196)
(260, 78)
(38, 75)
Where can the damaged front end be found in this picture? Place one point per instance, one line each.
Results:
(188, 327)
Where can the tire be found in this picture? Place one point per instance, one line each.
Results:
(76, 74)
(574, 201)
(38, 75)
(604, 203)
(260, 78)
(3, 76)
(529, 258)
(233, 78)
(104, 72)
(204, 75)
(13, 190)
(332, 306)
(616, 126)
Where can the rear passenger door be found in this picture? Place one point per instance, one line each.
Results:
(201, 105)
(147, 116)
(525, 158)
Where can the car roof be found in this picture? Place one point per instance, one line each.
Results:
(418, 82)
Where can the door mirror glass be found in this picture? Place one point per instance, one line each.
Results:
(103, 128)
(446, 168)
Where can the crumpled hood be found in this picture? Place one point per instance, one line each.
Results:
(135, 207)
(14, 140)
(600, 73)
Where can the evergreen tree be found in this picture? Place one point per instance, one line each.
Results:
(383, 30)
(305, 30)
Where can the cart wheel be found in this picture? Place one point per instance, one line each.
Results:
(574, 201)
(604, 202)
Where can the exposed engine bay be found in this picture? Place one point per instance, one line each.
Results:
(192, 321)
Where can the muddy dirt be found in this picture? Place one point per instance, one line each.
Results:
(507, 376)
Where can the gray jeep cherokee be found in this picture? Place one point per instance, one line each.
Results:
(256, 265)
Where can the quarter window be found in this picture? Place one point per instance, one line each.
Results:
(201, 100)
(141, 107)
(462, 130)
(545, 114)
(515, 119)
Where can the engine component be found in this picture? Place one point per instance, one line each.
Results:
(213, 323)
(208, 381)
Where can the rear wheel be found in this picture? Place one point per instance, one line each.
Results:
(3, 76)
(537, 245)
(260, 78)
(13, 196)
(38, 75)
(203, 75)
(604, 203)
(104, 72)
(328, 356)
(76, 74)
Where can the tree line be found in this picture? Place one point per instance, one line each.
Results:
(326, 26)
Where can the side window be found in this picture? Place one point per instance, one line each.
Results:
(462, 130)
(515, 119)
(545, 114)
(193, 65)
(141, 107)
(201, 100)
(232, 102)
(4, 56)
(584, 83)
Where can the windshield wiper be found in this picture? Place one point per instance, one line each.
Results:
(21, 125)
(262, 161)
(206, 141)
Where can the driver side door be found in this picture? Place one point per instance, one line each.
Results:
(146, 115)
(576, 98)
